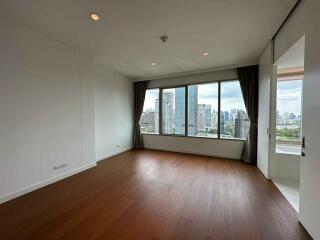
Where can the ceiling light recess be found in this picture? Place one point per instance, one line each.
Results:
(153, 64)
(205, 53)
(94, 16)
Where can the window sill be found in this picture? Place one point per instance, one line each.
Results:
(198, 137)
(150, 134)
(288, 149)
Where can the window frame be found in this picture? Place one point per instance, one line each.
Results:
(186, 111)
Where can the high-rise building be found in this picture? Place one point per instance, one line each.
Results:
(221, 123)
(167, 112)
(204, 117)
(179, 111)
(285, 117)
(226, 116)
(192, 111)
(242, 125)
(147, 121)
(214, 119)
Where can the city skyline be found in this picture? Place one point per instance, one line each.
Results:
(202, 111)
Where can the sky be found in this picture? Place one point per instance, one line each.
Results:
(231, 96)
(151, 96)
(289, 96)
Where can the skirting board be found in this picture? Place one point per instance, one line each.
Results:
(44, 183)
(190, 152)
(103, 157)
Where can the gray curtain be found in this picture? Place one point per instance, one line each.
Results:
(249, 82)
(139, 91)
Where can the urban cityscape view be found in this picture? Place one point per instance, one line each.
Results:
(202, 111)
(288, 118)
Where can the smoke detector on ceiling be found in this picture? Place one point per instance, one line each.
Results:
(164, 38)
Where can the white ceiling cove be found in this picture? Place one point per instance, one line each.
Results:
(127, 37)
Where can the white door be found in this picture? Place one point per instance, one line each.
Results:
(310, 164)
(265, 76)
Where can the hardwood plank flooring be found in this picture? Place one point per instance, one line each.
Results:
(155, 195)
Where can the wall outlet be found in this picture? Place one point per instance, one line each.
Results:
(62, 165)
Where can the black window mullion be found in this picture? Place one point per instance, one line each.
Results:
(160, 111)
(186, 110)
(219, 107)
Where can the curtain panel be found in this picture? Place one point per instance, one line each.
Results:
(139, 93)
(249, 82)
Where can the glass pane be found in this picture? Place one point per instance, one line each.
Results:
(288, 127)
(173, 111)
(149, 121)
(234, 121)
(203, 110)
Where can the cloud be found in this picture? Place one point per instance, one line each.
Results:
(289, 96)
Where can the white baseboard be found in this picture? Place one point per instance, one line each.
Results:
(103, 157)
(41, 184)
(191, 152)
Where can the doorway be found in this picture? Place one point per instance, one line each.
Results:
(287, 122)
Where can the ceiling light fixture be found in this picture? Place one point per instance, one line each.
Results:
(178, 59)
(153, 64)
(94, 16)
(205, 53)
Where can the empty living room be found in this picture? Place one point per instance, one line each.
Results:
(163, 120)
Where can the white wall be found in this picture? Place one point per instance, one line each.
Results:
(229, 74)
(202, 146)
(291, 32)
(287, 166)
(114, 113)
(305, 21)
(265, 78)
(47, 105)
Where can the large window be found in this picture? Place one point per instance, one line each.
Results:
(173, 111)
(212, 110)
(149, 121)
(288, 128)
(234, 121)
(203, 110)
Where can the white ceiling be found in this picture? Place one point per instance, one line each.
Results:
(127, 37)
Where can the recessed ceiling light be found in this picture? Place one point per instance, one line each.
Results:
(94, 16)
(153, 64)
(205, 53)
(178, 59)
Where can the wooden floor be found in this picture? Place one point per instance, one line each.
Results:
(155, 195)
